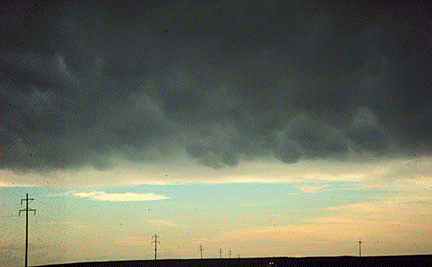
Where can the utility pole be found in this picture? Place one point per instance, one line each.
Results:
(156, 242)
(201, 249)
(359, 247)
(230, 253)
(26, 210)
(220, 253)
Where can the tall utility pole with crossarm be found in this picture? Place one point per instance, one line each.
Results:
(26, 210)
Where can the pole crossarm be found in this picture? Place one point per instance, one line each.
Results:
(27, 210)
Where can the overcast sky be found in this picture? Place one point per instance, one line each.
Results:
(308, 122)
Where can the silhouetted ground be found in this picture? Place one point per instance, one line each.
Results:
(418, 260)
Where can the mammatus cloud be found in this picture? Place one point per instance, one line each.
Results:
(365, 168)
(297, 82)
(120, 197)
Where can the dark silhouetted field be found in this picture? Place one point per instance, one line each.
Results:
(418, 260)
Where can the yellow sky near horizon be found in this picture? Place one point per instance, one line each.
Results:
(388, 204)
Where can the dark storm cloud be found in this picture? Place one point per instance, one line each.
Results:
(225, 81)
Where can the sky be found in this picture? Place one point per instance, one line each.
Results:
(266, 129)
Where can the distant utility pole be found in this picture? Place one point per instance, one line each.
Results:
(239, 256)
(26, 210)
(201, 249)
(156, 242)
(220, 253)
(230, 253)
(359, 247)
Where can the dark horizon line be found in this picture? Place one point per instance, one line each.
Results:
(278, 258)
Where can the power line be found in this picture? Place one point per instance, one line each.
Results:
(26, 210)
(155, 241)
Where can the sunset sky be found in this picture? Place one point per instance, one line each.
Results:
(267, 129)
